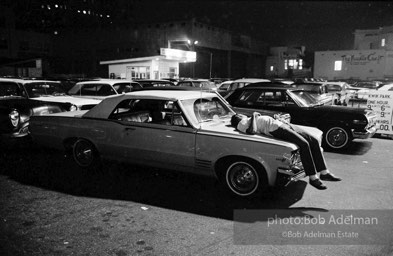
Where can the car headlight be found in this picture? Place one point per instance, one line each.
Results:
(73, 107)
(294, 160)
(14, 117)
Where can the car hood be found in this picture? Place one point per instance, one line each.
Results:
(224, 128)
(69, 99)
(340, 109)
(100, 98)
(21, 103)
(78, 113)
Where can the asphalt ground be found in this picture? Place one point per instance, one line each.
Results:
(48, 206)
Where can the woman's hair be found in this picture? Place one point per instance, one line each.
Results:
(235, 120)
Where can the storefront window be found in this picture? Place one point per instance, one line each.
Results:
(138, 72)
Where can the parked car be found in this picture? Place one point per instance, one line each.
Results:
(362, 88)
(154, 83)
(340, 125)
(282, 80)
(204, 84)
(386, 87)
(224, 86)
(52, 91)
(240, 83)
(329, 93)
(342, 92)
(183, 130)
(318, 90)
(309, 80)
(16, 108)
(102, 88)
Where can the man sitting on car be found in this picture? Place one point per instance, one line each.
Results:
(310, 150)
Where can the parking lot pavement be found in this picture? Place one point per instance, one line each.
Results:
(51, 207)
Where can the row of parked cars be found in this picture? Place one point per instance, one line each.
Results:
(183, 128)
(22, 98)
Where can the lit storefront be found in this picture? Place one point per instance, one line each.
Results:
(162, 66)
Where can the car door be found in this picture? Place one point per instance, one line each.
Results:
(162, 143)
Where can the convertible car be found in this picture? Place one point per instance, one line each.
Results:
(180, 130)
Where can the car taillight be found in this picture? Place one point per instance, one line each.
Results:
(14, 117)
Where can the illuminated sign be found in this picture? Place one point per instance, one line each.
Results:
(180, 55)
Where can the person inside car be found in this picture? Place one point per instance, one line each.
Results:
(310, 150)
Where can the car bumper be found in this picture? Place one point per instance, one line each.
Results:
(368, 133)
(287, 176)
(22, 132)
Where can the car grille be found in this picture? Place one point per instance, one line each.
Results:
(371, 118)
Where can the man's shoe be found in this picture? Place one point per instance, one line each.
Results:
(317, 183)
(329, 177)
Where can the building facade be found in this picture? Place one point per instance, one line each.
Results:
(219, 53)
(72, 37)
(286, 62)
(371, 58)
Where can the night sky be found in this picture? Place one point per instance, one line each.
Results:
(318, 25)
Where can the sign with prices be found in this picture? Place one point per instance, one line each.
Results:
(381, 102)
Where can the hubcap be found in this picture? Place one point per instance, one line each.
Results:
(337, 137)
(242, 178)
(83, 153)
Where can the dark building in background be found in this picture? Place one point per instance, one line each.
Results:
(70, 37)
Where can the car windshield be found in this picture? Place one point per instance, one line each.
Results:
(304, 99)
(336, 87)
(208, 109)
(44, 89)
(310, 88)
(369, 85)
(8, 89)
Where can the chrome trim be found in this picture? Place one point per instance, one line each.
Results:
(290, 176)
(369, 132)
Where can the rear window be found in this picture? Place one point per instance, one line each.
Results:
(39, 89)
(126, 87)
(92, 90)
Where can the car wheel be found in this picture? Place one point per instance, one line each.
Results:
(85, 154)
(243, 179)
(337, 138)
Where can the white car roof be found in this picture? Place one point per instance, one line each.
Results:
(386, 87)
(251, 80)
(103, 109)
(106, 81)
(339, 83)
(24, 81)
